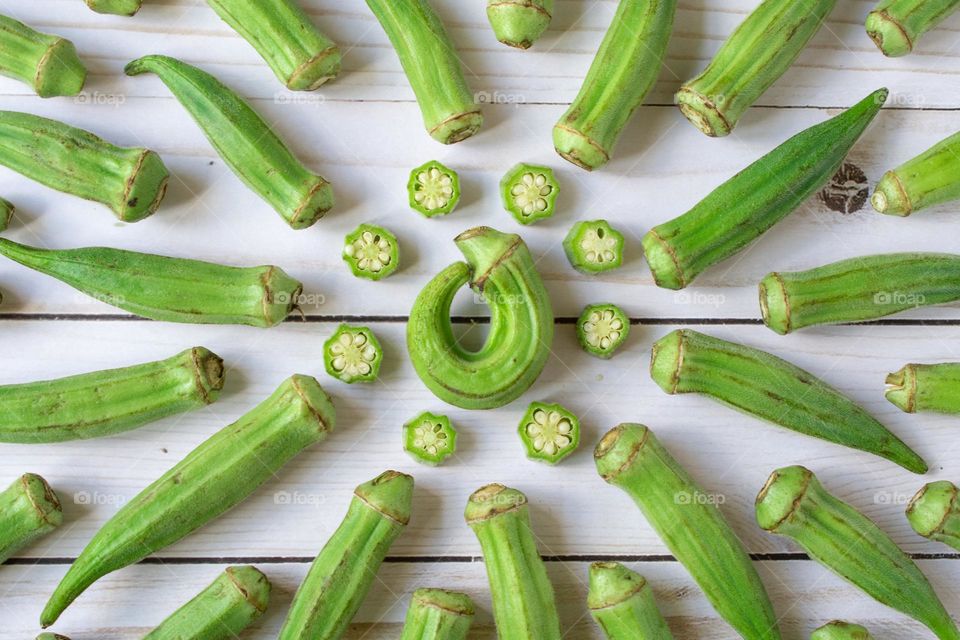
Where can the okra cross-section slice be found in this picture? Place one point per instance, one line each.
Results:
(519, 23)
(529, 192)
(549, 432)
(429, 438)
(29, 510)
(895, 26)
(622, 604)
(436, 614)
(929, 179)
(47, 63)
(691, 525)
(793, 503)
(115, 7)
(371, 252)
(925, 387)
(353, 354)
(434, 189)
(839, 630)
(593, 246)
(6, 213)
(934, 512)
(602, 329)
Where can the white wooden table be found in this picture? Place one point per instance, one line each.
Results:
(364, 133)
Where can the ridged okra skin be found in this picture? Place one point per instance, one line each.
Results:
(793, 503)
(691, 525)
(895, 26)
(102, 403)
(47, 63)
(524, 607)
(750, 203)
(838, 630)
(29, 510)
(934, 512)
(230, 604)
(925, 387)
(500, 268)
(622, 604)
(115, 7)
(450, 112)
(435, 614)
(342, 573)
(623, 72)
(300, 56)
(755, 55)
(168, 289)
(858, 289)
(929, 179)
(762, 385)
(519, 23)
(216, 476)
(244, 140)
(130, 181)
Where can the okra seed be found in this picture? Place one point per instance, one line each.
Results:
(530, 194)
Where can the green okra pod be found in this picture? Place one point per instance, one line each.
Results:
(131, 181)
(216, 476)
(793, 503)
(500, 268)
(300, 56)
(858, 289)
(342, 573)
(762, 385)
(622, 604)
(433, 68)
(519, 23)
(115, 7)
(169, 289)
(750, 203)
(926, 180)
(47, 63)
(524, 607)
(6, 213)
(896, 25)
(29, 510)
(51, 636)
(839, 630)
(926, 387)
(934, 512)
(690, 523)
(435, 614)
(92, 405)
(755, 55)
(230, 604)
(244, 140)
(623, 72)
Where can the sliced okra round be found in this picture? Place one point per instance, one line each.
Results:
(529, 192)
(549, 432)
(430, 438)
(371, 252)
(602, 329)
(6, 213)
(434, 189)
(593, 246)
(353, 354)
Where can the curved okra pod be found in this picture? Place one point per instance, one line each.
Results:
(623, 72)
(301, 57)
(229, 605)
(342, 573)
(131, 181)
(693, 528)
(209, 481)
(47, 63)
(934, 512)
(92, 405)
(762, 385)
(896, 25)
(838, 630)
(793, 503)
(6, 213)
(622, 604)
(747, 205)
(433, 69)
(244, 140)
(116, 7)
(523, 602)
(858, 289)
(435, 614)
(755, 55)
(169, 289)
(926, 387)
(500, 268)
(924, 181)
(29, 510)
(519, 23)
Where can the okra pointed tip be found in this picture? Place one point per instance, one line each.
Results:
(390, 493)
(702, 112)
(665, 360)
(929, 509)
(888, 34)
(774, 303)
(611, 583)
(902, 387)
(618, 448)
(578, 148)
(492, 500)
(780, 496)
(889, 196)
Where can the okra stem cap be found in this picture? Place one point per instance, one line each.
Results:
(618, 448)
(889, 36)
(390, 493)
(252, 584)
(666, 359)
(902, 388)
(774, 304)
(492, 500)
(889, 196)
(781, 495)
(612, 583)
(458, 604)
(931, 506)
(43, 498)
(518, 23)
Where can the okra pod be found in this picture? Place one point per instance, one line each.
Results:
(623, 72)
(244, 140)
(839, 630)
(622, 604)
(519, 23)
(896, 25)
(168, 289)
(689, 522)
(92, 405)
(858, 289)
(935, 513)
(130, 181)
(435, 614)
(6, 213)
(433, 69)
(750, 203)
(51, 636)
(764, 386)
(222, 611)
(523, 602)
(342, 573)
(210, 480)
(500, 268)
(300, 56)
(926, 387)
(47, 63)
(29, 510)
(116, 7)
(924, 181)
(755, 55)
(793, 503)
